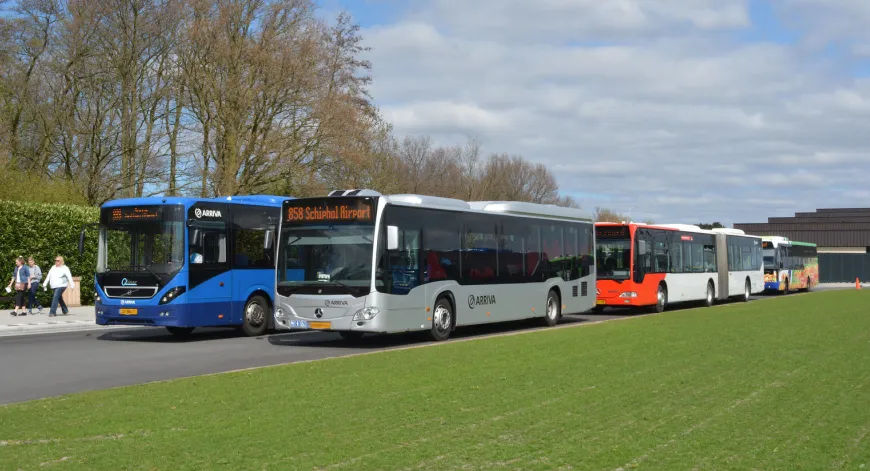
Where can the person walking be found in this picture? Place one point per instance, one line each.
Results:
(35, 278)
(59, 278)
(21, 278)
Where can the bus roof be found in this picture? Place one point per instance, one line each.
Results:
(504, 207)
(260, 200)
(669, 227)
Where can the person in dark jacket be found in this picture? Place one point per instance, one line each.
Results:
(21, 279)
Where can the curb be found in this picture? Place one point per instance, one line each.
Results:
(35, 328)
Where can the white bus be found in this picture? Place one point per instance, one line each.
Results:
(361, 262)
(642, 265)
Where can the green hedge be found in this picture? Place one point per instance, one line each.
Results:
(44, 231)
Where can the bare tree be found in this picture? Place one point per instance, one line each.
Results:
(606, 215)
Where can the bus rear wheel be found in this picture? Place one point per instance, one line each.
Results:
(255, 320)
(179, 331)
(554, 309)
(442, 320)
(747, 291)
(711, 292)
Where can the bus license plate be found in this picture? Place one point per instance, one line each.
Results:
(600, 301)
(299, 324)
(320, 325)
(128, 312)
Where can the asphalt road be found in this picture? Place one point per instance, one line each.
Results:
(37, 366)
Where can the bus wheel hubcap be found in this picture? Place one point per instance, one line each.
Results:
(551, 308)
(255, 315)
(442, 318)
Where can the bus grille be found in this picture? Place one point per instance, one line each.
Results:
(142, 292)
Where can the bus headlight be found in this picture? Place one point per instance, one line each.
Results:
(628, 294)
(366, 314)
(172, 294)
(279, 313)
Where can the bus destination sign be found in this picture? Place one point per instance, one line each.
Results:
(134, 213)
(612, 232)
(343, 211)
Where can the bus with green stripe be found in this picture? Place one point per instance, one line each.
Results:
(789, 265)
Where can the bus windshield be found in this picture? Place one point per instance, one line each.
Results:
(338, 255)
(769, 259)
(153, 244)
(614, 259)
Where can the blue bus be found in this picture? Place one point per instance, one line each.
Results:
(182, 263)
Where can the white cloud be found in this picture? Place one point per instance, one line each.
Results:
(648, 105)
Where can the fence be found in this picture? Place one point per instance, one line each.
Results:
(843, 267)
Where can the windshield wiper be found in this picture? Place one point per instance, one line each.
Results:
(159, 280)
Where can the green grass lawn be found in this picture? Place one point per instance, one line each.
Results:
(775, 384)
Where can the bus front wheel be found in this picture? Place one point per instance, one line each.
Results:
(442, 320)
(661, 299)
(179, 331)
(256, 316)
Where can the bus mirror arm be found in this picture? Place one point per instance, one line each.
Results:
(82, 237)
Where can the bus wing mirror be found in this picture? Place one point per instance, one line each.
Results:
(82, 242)
(392, 238)
(194, 237)
(268, 239)
(641, 247)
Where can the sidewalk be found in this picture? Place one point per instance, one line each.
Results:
(79, 318)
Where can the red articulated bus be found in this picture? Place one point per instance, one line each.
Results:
(640, 265)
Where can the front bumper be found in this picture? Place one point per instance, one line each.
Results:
(163, 315)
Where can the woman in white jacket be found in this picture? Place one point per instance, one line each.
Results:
(59, 278)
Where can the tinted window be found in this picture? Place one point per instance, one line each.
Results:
(479, 249)
(250, 224)
(208, 243)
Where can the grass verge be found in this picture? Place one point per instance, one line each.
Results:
(780, 384)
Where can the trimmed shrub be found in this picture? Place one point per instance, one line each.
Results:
(44, 231)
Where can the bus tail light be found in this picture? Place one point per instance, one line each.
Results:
(366, 314)
(172, 294)
(628, 294)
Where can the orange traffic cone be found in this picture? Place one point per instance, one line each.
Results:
(857, 283)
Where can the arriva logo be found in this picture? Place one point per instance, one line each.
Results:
(208, 213)
(484, 300)
(126, 282)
